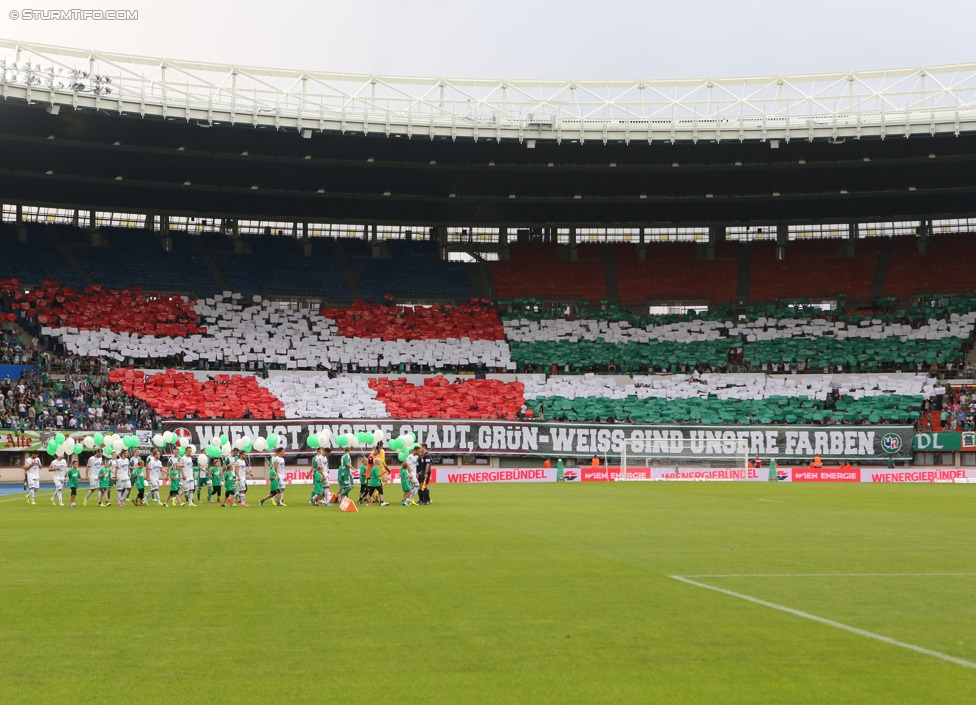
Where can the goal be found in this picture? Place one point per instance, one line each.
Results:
(683, 459)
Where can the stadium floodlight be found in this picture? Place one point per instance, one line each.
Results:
(53, 109)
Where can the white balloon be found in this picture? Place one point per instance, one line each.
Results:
(168, 437)
(68, 445)
(60, 451)
(225, 449)
(378, 436)
(324, 437)
(202, 460)
(215, 441)
(240, 443)
(158, 440)
(183, 442)
(118, 445)
(89, 442)
(260, 444)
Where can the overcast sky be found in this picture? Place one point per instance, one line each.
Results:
(525, 38)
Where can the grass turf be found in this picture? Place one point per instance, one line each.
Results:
(495, 594)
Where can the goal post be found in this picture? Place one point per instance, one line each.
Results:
(682, 458)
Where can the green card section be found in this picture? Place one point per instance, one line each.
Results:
(891, 408)
(855, 355)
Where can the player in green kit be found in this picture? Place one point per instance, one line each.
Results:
(74, 476)
(376, 485)
(364, 471)
(218, 468)
(174, 485)
(139, 481)
(318, 494)
(201, 478)
(277, 467)
(345, 476)
(104, 482)
(405, 484)
(230, 485)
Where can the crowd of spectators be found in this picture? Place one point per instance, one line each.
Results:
(17, 349)
(959, 409)
(39, 401)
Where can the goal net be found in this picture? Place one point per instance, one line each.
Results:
(683, 459)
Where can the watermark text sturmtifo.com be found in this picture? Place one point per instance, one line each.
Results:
(73, 15)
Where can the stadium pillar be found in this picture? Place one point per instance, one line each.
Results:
(74, 218)
(782, 237)
(923, 231)
(573, 250)
(19, 210)
(503, 236)
(150, 222)
(851, 242)
(91, 220)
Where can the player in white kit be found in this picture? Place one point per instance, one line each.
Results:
(189, 484)
(33, 468)
(123, 483)
(242, 475)
(412, 475)
(155, 468)
(59, 468)
(94, 465)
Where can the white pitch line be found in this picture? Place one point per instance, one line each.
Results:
(21, 495)
(831, 623)
(830, 575)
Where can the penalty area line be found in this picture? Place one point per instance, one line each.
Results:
(829, 622)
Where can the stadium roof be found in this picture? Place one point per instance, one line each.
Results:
(118, 133)
(924, 100)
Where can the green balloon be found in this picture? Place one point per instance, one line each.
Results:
(212, 451)
(78, 448)
(181, 452)
(52, 447)
(99, 439)
(342, 441)
(59, 439)
(403, 455)
(223, 438)
(396, 444)
(370, 439)
(272, 441)
(313, 441)
(247, 448)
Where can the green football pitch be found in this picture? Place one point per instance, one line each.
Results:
(623, 592)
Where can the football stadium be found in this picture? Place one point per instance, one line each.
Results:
(601, 391)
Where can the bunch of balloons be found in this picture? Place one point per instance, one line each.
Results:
(62, 445)
(363, 439)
